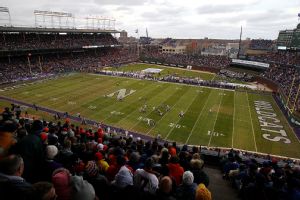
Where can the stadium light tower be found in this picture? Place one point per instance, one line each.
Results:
(5, 11)
(55, 18)
(100, 23)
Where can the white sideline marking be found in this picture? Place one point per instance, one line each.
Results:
(198, 117)
(215, 121)
(255, 145)
(233, 119)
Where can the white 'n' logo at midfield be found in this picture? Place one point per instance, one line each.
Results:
(121, 93)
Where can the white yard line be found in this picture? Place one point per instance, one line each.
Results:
(215, 122)
(170, 131)
(233, 119)
(200, 114)
(255, 145)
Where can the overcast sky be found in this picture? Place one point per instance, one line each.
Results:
(173, 18)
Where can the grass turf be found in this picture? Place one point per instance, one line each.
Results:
(213, 117)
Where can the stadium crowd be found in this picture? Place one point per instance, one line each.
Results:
(261, 44)
(19, 68)
(41, 160)
(184, 59)
(31, 41)
(268, 180)
(224, 73)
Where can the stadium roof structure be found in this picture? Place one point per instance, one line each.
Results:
(53, 30)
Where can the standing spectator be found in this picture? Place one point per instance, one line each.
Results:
(32, 150)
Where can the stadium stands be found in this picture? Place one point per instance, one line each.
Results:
(183, 59)
(30, 41)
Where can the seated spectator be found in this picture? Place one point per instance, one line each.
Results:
(50, 164)
(124, 177)
(175, 170)
(98, 181)
(61, 180)
(145, 179)
(81, 189)
(44, 191)
(12, 185)
(165, 189)
(187, 189)
(197, 169)
(202, 193)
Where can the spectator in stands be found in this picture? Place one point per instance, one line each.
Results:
(98, 181)
(202, 193)
(44, 191)
(12, 185)
(81, 189)
(200, 176)
(145, 179)
(7, 136)
(175, 170)
(165, 189)
(61, 180)
(124, 177)
(186, 190)
(32, 151)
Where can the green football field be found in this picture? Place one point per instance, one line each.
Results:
(212, 117)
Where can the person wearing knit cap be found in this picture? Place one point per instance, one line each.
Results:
(124, 177)
(202, 193)
(98, 181)
(101, 163)
(91, 169)
(81, 189)
(31, 149)
(61, 180)
(187, 189)
(145, 179)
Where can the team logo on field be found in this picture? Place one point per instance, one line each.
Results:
(121, 94)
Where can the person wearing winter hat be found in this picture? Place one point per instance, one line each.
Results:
(101, 163)
(124, 177)
(81, 189)
(61, 180)
(31, 149)
(187, 189)
(202, 193)
(145, 179)
(98, 181)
